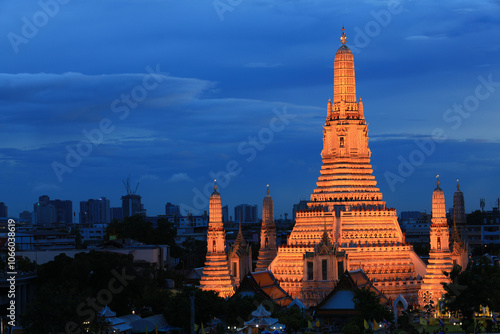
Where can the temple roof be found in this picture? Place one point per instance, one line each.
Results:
(265, 284)
(341, 297)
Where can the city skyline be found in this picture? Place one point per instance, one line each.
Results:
(177, 94)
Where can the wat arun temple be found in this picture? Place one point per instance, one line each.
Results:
(346, 226)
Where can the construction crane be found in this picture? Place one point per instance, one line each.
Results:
(128, 188)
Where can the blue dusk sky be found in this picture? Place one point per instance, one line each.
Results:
(177, 93)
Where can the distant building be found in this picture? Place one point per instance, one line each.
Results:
(483, 228)
(64, 210)
(95, 211)
(3, 210)
(116, 214)
(225, 214)
(93, 233)
(411, 215)
(43, 240)
(172, 210)
(245, 213)
(44, 213)
(131, 205)
(302, 205)
(416, 227)
(27, 216)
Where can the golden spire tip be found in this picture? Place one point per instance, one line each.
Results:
(343, 37)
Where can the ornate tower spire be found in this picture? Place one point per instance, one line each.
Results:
(216, 275)
(240, 258)
(459, 235)
(215, 209)
(344, 84)
(343, 37)
(439, 211)
(346, 174)
(440, 258)
(268, 250)
(459, 222)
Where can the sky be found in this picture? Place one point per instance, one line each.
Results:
(176, 93)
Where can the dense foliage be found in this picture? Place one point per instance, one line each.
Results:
(71, 290)
(369, 308)
(478, 285)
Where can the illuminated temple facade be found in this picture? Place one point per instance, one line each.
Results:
(346, 225)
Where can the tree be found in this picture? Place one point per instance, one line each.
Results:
(26, 265)
(405, 320)
(79, 244)
(194, 254)
(293, 318)
(369, 308)
(478, 285)
(73, 290)
(367, 303)
(208, 305)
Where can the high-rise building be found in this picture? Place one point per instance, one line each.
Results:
(172, 210)
(216, 275)
(131, 205)
(225, 214)
(43, 212)
(116, 214)
(3, 210)
(245, 213)
(64, 210)
(346, 215)
(268, 249)
(95, 211)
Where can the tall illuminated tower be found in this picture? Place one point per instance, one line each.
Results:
(460, 252)
(439, 254)
(216, 275)
(348, 205)
(268, 250)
